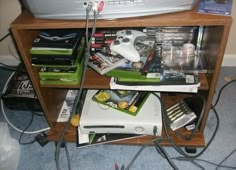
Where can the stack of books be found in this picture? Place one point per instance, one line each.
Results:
(58, 55)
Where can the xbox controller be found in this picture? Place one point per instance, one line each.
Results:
(125, 44)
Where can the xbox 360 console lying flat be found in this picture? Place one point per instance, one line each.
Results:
(76, 9)
(97, 118)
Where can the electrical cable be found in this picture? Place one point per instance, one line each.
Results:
(5, 36)
(178, 149)
(142, 148)
(87, 55)
(186, 157)
(13, 55)
(7, 67)
(6, 118)
(166, 155)
(31, 142)
(222, 88)
(209, 162)
(220, 164)
(67, 155)
(193, 160)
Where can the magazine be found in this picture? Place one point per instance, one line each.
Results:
(103, 138)
(123, 100)
(103, 63)
(218, 7)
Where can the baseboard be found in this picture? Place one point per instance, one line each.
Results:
(229, 60)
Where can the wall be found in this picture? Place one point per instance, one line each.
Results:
(230, 51)
(9, 9)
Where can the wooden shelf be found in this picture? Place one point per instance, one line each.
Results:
(95, 81)
(214, 39)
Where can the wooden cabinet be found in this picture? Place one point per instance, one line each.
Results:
(214, 38)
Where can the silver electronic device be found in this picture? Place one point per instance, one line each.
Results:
(76, 9)
(98, 118)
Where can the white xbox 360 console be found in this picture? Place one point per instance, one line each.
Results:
(99, 118)
(75, 9)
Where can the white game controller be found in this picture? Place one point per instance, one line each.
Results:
(124, 44)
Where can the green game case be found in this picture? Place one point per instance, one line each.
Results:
(129, 102)
(61, 74)
(80, 54)
(61, 78)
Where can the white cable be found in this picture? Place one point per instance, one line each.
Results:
(5, 116)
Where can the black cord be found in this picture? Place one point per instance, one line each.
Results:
(177, 148)
(218, 97)
(166, 155)
(8, 67)
(4, 37)
(220, 164)
(31, 142)
(142, 148)
(38, 114)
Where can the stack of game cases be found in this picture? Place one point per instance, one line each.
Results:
(58, 54)
(101, 40)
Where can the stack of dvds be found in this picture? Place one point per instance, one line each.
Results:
(101, 40)
(59, 55)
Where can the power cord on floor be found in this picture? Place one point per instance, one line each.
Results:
(167, 137)
(5, 36)
(222, 88)
(22, 133)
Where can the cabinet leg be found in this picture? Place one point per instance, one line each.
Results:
(191, 150)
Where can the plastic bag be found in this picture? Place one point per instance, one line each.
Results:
(9, 149)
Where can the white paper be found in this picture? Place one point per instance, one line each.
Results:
(193, 88)
(64, 113)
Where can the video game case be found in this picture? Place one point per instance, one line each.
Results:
(51, 51)
(153, 67)
(58, 38)
(133, 69)
(216, 7)
(168, 78)
(103, 63)
(105, 33)
(102, 40)
(52, 61)
(129, 102)
(99, 45)
(70, 76)
(61, 60)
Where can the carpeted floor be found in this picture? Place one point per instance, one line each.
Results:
(104, 157)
